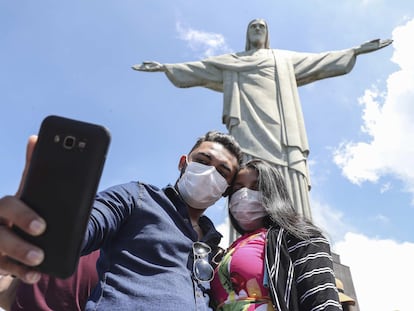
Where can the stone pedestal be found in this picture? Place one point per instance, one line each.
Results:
(343, 273)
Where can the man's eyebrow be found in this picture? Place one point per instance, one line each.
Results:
(202, 153)
(207, 155)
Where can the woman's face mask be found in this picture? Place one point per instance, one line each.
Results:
(247, 209)
(201, 185)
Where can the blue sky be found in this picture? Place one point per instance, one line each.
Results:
(73, 59)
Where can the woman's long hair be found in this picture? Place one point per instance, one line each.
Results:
(277, 202)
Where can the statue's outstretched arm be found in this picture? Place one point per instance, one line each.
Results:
(149, 66)
(372, 45)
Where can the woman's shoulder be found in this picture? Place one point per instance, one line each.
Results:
(316, 243)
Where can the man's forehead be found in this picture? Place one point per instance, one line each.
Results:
(215, 149)
(212, 146)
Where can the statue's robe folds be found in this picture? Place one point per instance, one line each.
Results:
(261, 106)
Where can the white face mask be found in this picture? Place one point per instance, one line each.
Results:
(247, 209)
(201, 185)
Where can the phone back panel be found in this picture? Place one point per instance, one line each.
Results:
(61, 185)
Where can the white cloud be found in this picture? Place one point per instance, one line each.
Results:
(382, 271)
(389, 121)
(329, 220)
(381, 219)
(205, 43)
(386, 187)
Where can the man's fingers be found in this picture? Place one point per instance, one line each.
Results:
(16, 248)
(10, 267)
(15, 254)
(13, 211)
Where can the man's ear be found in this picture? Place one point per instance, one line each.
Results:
(182, 163)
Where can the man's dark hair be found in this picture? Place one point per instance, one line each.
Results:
(226, 140)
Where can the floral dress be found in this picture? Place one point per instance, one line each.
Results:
(238, 280)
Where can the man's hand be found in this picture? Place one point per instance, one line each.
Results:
(17, 255)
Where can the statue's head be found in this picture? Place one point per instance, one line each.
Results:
(257, 35)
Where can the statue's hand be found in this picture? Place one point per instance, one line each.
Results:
(149, 66)
(372, 45)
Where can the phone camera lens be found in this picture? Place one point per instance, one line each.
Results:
(69, 142)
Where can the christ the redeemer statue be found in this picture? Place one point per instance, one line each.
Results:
(261, 106)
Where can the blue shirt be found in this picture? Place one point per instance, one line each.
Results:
(145, 236)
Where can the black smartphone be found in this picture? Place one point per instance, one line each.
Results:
(61, 185)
